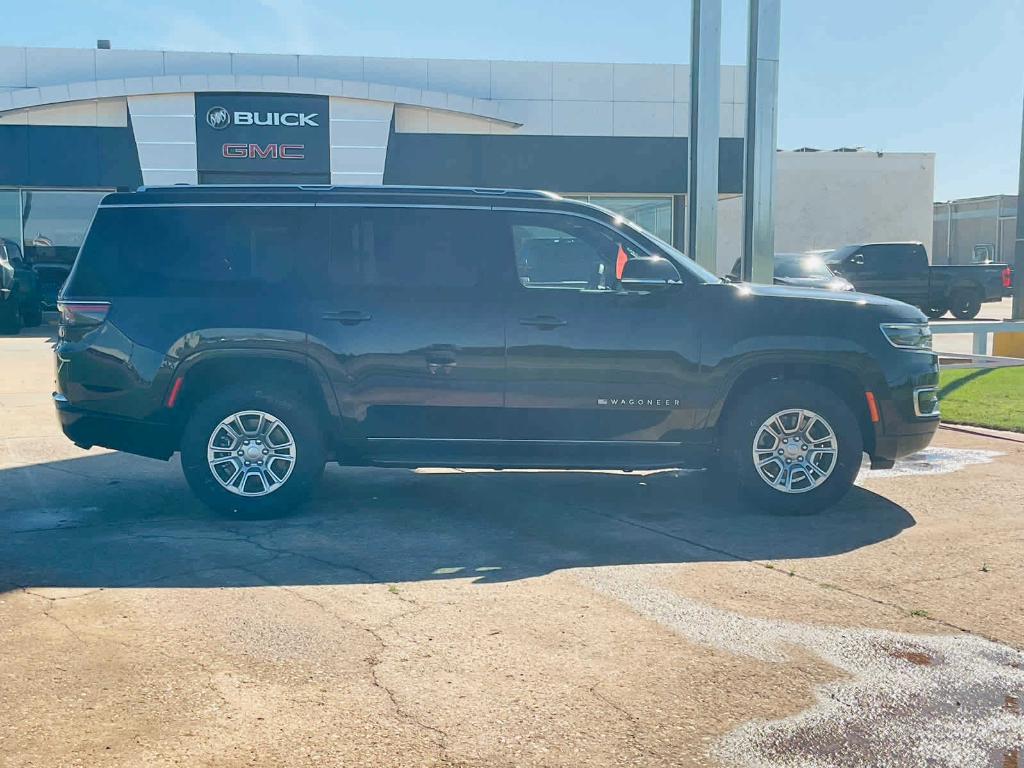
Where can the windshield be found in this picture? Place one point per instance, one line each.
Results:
(674, 254)
(836, 256)
(794, 265)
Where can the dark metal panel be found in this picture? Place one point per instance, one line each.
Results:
(66, 156)
(563, 163)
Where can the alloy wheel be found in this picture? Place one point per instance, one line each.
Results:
(795, 450)
(251, 453)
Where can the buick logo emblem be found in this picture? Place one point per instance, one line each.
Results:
(218, 118)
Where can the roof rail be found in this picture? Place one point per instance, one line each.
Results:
(378, 189)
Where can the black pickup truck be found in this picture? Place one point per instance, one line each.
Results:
(901, 271)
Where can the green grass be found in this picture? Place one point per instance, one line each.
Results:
(991, 398)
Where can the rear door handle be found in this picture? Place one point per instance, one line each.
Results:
(544, 322)
(348, 316)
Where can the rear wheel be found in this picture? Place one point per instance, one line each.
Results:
(794, 446)
(252, 451)
(935, 311)
(32, 315)
(965, 304)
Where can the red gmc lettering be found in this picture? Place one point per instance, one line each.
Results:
(271, 151)
(256, 151)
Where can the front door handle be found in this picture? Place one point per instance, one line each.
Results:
(348, 316)
(544, 322)
(441, 361)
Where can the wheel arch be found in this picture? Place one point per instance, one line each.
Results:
(198, 376)
(842, 381)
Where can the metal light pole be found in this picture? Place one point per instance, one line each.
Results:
(705, 87)
(761, 136)
(1018, 251)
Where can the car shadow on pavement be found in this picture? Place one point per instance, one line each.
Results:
(112, 520)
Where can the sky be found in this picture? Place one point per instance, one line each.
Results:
(942, 76)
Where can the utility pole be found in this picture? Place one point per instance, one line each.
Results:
(758, 264)
(705, 87)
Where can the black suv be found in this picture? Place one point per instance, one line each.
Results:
(262, 331)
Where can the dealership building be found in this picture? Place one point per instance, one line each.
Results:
(76, 123)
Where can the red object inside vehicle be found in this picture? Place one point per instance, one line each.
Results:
(620, 262)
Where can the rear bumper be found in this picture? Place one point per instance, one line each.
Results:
(88, 428)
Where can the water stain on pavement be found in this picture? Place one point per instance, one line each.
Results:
(904, 700)
(931, 461)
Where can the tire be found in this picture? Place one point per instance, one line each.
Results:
(936, 311)
(749, 418)
(284, 407)
(10, 317)
(965, 304)
(32, 317)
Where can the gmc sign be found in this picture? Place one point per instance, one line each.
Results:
(283, 151)
(262, 138)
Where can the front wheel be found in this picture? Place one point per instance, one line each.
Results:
(794, 446)
(252, 451)
(935, 311)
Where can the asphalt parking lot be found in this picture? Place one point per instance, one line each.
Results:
(502, 618)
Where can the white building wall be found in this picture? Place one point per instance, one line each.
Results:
(828, 199)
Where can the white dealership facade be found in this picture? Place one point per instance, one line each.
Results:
(75, 123)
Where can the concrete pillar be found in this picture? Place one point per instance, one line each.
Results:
(760, 141)
(1018, 251)
(705, 87)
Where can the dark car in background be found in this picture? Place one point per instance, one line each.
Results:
(23, 305)
(901, 271)
(261, 331)
(802, 270)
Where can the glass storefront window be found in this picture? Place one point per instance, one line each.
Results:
(653, 213)
(54, 223)
(10, 215)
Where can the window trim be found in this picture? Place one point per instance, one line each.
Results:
(627, 233)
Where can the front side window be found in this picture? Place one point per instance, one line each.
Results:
(568, 253)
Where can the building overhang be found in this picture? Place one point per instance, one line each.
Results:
(50, 95)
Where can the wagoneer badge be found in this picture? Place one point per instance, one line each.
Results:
(639, 402)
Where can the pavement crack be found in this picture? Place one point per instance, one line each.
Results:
(792, 574)
(48, 613)
(635, 725)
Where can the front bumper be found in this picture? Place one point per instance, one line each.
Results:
(88, 428)
(902, 429)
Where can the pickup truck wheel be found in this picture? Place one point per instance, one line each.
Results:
(794, 446)
(965, 305)
(935, 311)
(252, 451)
(32, 316)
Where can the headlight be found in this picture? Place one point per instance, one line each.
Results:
(908, 335)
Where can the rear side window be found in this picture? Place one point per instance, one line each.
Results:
(411, 248)
(201, 252)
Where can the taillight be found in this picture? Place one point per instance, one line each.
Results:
(1008, 277)
(82, 313)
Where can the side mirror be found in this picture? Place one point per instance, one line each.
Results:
(648, 271)
(857, 259)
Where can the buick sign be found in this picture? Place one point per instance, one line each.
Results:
(262, 138)
(218, 118)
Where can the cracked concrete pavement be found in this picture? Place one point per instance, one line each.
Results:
(482, 618)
